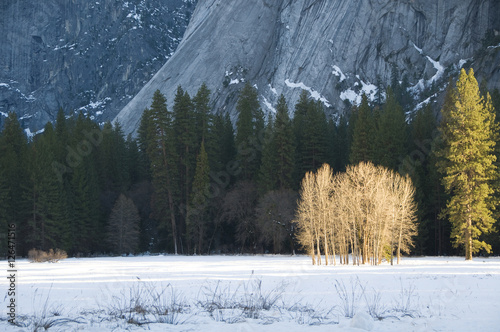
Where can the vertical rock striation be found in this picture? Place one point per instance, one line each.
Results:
(334, 49)
(92, 56)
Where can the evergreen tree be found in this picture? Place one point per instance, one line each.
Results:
(143, 133)
(420, 165)
(298, 121)
(391, 136)
(85, 221)
(311, 131)
(468, 132)
(362, 146)
(268, 168)
(202, 113)
(284, 145)
(134, 160)
(113, 162)
(13, 160)
(341, 144)
(48, 221)
(184, 130)
(159, 142)
(249, 132)
(197, 219)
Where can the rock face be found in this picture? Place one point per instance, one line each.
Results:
(334, 49)
(92, 56)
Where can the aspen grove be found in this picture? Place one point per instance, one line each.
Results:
(368, 211)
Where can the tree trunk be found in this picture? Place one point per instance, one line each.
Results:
(468, 240)
(170, 198)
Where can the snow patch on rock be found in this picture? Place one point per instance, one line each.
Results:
(314, 94)
(269, 106)
(337, 72)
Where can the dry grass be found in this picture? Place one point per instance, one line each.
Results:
(51, 256)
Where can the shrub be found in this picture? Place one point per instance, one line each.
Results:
(51, 256)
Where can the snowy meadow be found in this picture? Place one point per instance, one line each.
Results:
(255, 293)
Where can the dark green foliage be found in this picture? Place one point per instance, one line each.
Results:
(363, 136)
(278, 154)
(391, 134)
(194, 184)
(249, 132)
(341, 144)
(311, 136)
(48, 227)
(197, 220)
(14, 181)
(267, 174)
(203, 117)
(162, 154)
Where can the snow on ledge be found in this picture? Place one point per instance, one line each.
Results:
(30, 134)
(337, 72)
(314, 94)
(269, 105)
(370, 90)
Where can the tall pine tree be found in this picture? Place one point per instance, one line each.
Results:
(392, 133)
(161, 151)
(363, 137)
(249, 132)
(468, 132)
(13, 183)
(197, 219)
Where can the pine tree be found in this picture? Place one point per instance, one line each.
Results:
(391, 135)
(203, 117)
(299, 118)
(284, 145)
(268, 167)
(341, 144)
(85, 221)
(159, 142)
(467, 164)
(112, 149)
(249, 130)
(13, 159)
(186, 141)
(48, 221)
(197, 218)
(311, 131)
(362, 146)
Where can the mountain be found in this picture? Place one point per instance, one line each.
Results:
(80, 55)
(334, 49)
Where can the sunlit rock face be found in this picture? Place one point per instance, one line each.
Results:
(334, 49)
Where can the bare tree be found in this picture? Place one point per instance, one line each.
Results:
(368, 211)
(123, 227)
(306, 217)
(239, 207)
(275, 213)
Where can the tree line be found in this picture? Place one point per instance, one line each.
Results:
(195, 181)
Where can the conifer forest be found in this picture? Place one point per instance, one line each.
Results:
(384, 179)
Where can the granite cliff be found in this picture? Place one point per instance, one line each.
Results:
(334, 49)
(79, 55)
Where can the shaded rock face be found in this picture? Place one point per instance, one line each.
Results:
(334, 49)
(90, 56)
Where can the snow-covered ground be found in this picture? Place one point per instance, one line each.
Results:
(255, 293)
